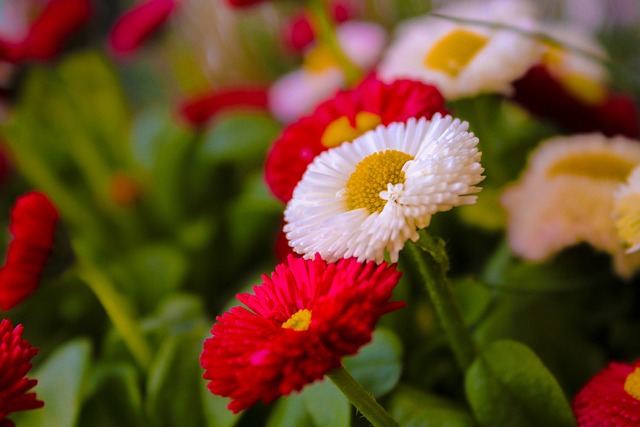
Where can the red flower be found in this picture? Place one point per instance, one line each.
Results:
(33, 224)
(343, 118)
(611, 398)
(243, 3)
(15, 355)
(543, 95)
(58, 20)
(298, 326)
(139, 23)
(298, 33)
(199, 110)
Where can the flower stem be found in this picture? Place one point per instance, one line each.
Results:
(361, 399)
(445, 305)
(119, 312)
(326, 32)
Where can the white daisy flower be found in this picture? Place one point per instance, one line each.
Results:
(464, 59)
(627, 212)
(370, 196)
(566, 196)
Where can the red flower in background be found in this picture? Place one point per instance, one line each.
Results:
(15, 357)
(47, 33)
(138, 23)
(298, 33)
(343, 118)
(33, 225)
(299, 325)
(199, 110)
(243, 3)
(543, 95)
(611, 398)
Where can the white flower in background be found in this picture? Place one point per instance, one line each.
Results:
(465, 59)
(299, 92)
(627, 212)
(566, 196)
(370, 196)
(576, 61)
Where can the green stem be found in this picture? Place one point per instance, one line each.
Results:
(118, 310)
(446, 306)
(361, 399)
(326, 32)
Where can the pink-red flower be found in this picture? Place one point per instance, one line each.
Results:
(243, 3)
(611, 398)
(15, 358)
(342, 119)
(139, 23)
(197, 111)
(542, 94)
(297, 327)
(33, 224)
(44, 37)
(298, 32)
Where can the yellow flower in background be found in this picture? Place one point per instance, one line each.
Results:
(627, 212)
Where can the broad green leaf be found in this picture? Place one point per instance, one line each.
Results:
(290, 411)
(507, 385)
(414, 408)
(327, 405)
(378, 365)
(60, 386)
(215, 409)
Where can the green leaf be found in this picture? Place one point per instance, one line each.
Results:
(60, 383)
(320, 396)
(290, 411)
(378, 365)
(414, 408)
(215, 409)
(507, 385)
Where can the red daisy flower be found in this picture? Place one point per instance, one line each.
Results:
(611, 398)
(15, 357)
(137, 24)
(58, 20)
(298, 326)
(199, 110)
(542, 94)
(343, 118)
(33, 225)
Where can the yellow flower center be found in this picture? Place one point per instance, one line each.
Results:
(632, 384)
(593, 165)
(628, 220)
(319, 59)
(454, 51)
(341, 129)
(299, 321)
(372, 175)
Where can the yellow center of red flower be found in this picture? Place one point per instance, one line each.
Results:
(593, 165)
(319, 59)
(372, 176)
(341, 130)
(632, 384)
(299, 321)
(454, 51)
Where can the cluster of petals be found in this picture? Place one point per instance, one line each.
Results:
(566, 195)
(15, 358)
(43, 38)
(301, 141)
(253, 356)
(605, 402)
(33, 227)
(474, 44)
(298, 92)
(442, 172)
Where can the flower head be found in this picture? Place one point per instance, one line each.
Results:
(343, 118)
(33, 225)
(15, 357)
(611, 398)
(370, 196)
(465, 58)
(566, 196)
(297, 327)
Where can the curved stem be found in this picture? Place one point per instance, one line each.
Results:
(326, 32)
(118, 310)
(446, 306)
(362, 399)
